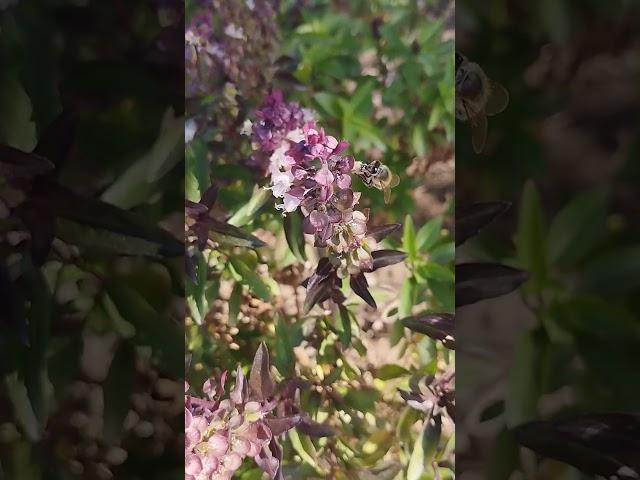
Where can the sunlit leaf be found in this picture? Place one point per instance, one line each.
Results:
(429, 234)
(257, 286)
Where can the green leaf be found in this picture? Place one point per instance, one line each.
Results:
(137, 184)
(443, 292)
(197, 169)
(37, 62)
(361, 99)
(429, 234)
(525, 379)
(391, 371)
(294, 234)
(95, 224)
(249, 210)
(235, 301)
(333, 376)
(36, 377)
(363, 400)
(409, 239)
(443, 254)
(614, 272)
(406, 421)
(418, 141)
(578, 228)
(117, 392)
(435, 271)
(22, 408)
(506, 458)
(406, 297)
(597, 317)
(16, 127)
(327, 103)
(232, 235)
(303, 447)
(287, 337)
(159, 331)
(252, 279)
(424, 449)
(530, 237)
(344, 333)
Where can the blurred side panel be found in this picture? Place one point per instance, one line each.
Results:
(91, 250)
(548, 117)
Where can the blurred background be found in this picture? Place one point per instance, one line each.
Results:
(91, 351)
(564, 152)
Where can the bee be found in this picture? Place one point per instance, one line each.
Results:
(377, 175)
(476, 97)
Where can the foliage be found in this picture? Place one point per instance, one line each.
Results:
(284, 266)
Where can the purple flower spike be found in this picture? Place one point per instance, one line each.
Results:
(308, 169)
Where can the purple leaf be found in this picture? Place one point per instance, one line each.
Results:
(471, 219)
(210, 196)
(270, 460)
(384, 258)
(322, 272)
(314, 429)
(360, 287)
(316, 294)
(280, 425)
(39, 219)
(238, 236)
(605, 444)
(380, 232)
(57, 139)
(439, 326)
(479, 281)
(260, 377)
(15, 163)
(190, 268)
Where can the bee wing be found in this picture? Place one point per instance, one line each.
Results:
(387, 194)
(498, 99)
(395, 180)
(479, 132)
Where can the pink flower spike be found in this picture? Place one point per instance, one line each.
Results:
(192, 464)
(340, 147)
(344, 181)
(324, 177)
(331, 143)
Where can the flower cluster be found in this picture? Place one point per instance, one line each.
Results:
(309, 170)
(432, 394)
(221, 433)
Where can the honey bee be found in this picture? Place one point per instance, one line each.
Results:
(476, 97)
(377, 175)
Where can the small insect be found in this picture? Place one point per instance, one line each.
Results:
(377, 175)
(476, 97)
